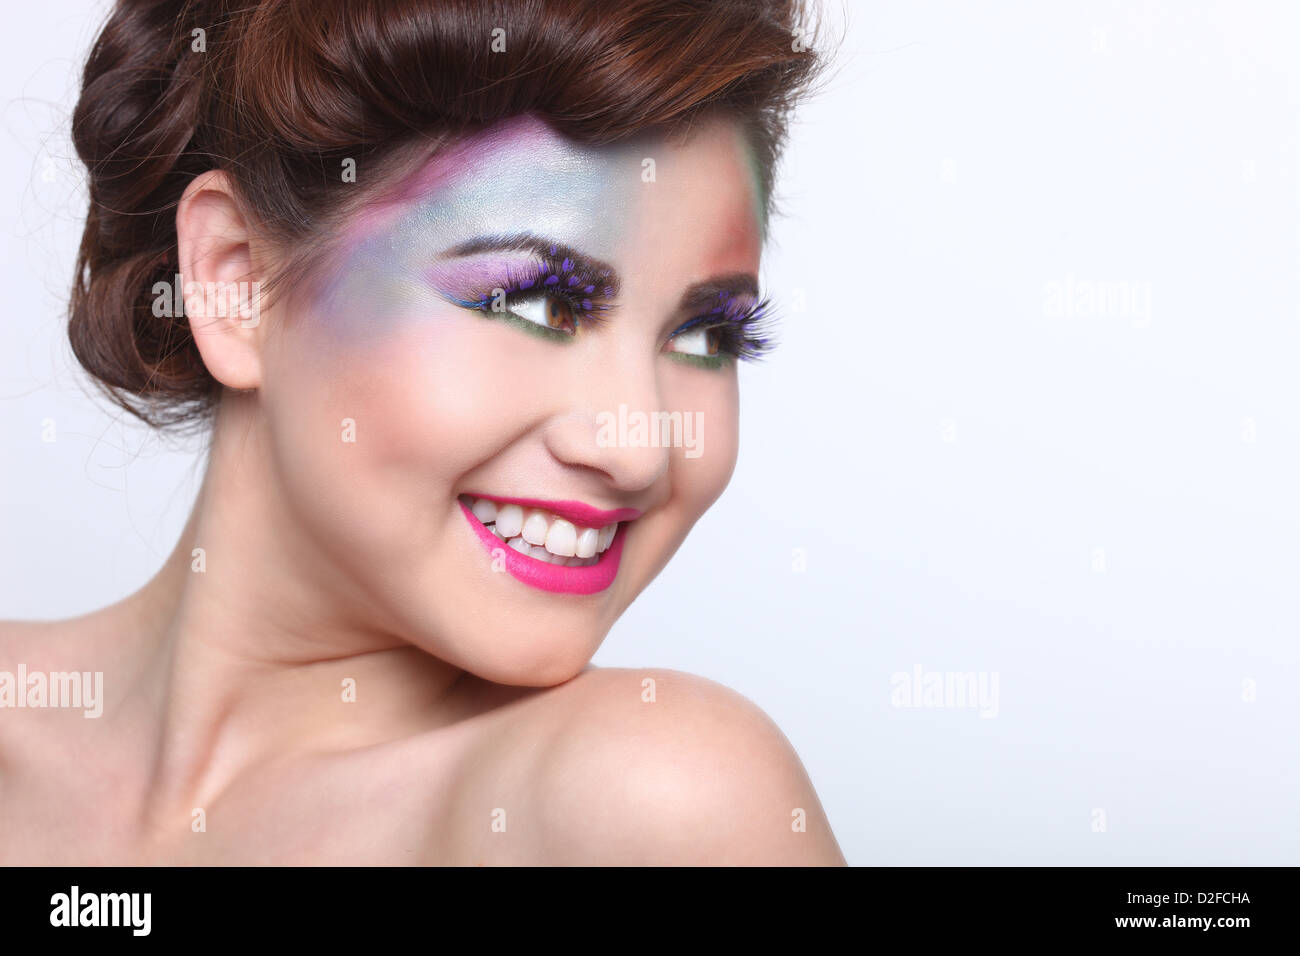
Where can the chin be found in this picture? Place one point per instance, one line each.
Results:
(519, 654)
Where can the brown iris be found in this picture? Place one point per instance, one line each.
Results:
(559, 314)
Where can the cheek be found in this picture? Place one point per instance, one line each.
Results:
(386, 415)
(709, 402)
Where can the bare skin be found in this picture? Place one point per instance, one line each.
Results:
(586, 772)
(479, 733)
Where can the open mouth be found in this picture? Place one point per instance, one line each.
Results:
(561, 546)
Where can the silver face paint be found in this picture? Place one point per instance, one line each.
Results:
(520, 177)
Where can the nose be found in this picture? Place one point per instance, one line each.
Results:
(607, 423)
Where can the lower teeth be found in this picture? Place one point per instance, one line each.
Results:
(539, 553)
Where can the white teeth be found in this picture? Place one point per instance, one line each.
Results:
(510, 520)
(562, 539)
(541, 554)
(535, 528)
(485, 510)
(588, 542)
(541, 535)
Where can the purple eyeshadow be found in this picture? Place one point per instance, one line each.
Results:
(476, 284)
(742, 324)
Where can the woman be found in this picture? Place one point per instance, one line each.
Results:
(466, 239)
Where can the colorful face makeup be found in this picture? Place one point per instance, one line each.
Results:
(516, 180)
(460, 232)
(502, 276)
(478, 322)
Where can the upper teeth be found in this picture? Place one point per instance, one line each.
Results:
(540, 534)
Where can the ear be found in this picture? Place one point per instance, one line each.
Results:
(220, 281)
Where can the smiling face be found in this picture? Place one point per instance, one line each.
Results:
(466, 414)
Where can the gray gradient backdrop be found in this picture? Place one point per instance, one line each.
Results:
(942, 468)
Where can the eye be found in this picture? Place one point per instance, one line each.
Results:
(697, 341)
(548, 311)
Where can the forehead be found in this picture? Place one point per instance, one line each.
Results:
(664, 212)
(522, 176)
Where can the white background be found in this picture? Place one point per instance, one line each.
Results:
(1100, 509)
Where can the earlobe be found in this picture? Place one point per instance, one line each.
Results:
(220, 284)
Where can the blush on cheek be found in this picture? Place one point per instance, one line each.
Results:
(460, 392)
(440, 393)
(370, 436)
(419, 392)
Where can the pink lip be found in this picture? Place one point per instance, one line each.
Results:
(554, 577)
(578, 512)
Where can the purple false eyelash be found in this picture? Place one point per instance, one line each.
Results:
(745, 326)
(747, 330)
(587, 293)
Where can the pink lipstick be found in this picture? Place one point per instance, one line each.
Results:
(548, 576)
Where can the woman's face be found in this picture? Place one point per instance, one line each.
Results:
(512, 395)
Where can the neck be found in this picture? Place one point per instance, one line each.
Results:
(253, 646)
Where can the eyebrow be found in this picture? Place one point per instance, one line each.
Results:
(711, 294)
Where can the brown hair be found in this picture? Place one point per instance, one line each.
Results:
(278, 93)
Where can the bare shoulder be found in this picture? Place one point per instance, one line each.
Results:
(34, 644)
(25, 647)
(53, 643)
(15, 634)
(654, 766)
(56, 660)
